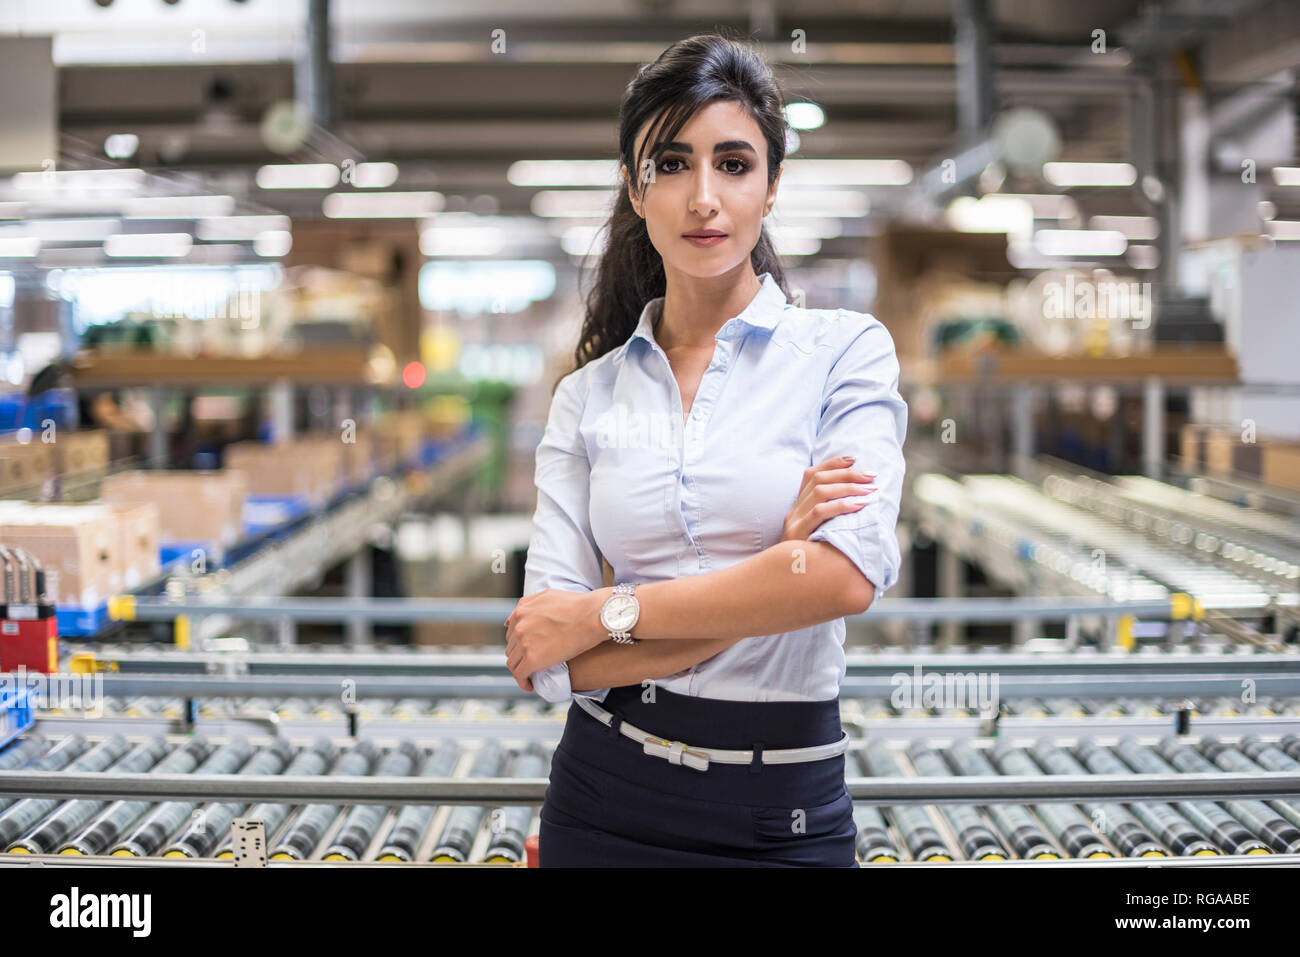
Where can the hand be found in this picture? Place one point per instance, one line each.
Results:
(822, 494)
(552, 626)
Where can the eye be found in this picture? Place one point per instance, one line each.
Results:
(744, 166)
(664, 163)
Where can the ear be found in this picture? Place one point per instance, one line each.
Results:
(627, 185)
(771, 192)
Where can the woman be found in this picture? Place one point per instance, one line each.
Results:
(705, 447)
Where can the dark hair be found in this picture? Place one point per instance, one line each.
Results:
(687, 76)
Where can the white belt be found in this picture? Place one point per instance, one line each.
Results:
(676, 752)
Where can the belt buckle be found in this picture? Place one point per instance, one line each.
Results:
(675, 752)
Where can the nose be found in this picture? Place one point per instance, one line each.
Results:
(704, 198)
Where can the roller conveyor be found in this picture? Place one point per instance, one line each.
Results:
(213, 820)
(919, 835)
(1019, 827)
(977, 842)
(111, 823)
(1262, 820)
(404, 836)
(314, 819)
(1214, 822)
(1070, 828)
(1168, 826)
(73, 815)
(310, 760)
(165, 819)
(363, 821)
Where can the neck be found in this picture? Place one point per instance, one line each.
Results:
(695, 309)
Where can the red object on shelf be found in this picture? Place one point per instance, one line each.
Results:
(32, 644)
(531, 850)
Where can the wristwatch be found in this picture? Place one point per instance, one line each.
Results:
(620, 613)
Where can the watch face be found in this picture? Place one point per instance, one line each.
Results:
(620, 612)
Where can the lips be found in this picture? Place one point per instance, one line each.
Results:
(704, 234)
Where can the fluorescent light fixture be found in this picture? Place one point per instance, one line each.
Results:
(584, 240)
(72, 230)
(1143, 257)
(148, 244)
(121, 145)
(563, 173)
(381, 205)
(795, 244)
(804, 116)
(1286, 175)
(846, 172)
(462, 240)
(1080, 242)
(19, 246)
(95, 180)
(177, 207)
(374, 175)
(1267, 209)
(13, 210)
(991, 214)
(1133, 227)
(1048, 205)
(1284, 229)
(237, 228)
(298, 176)
(209, 254)
(572, 203)
(273, 242)
(824, 228)
(1089, 174)
(793, 203)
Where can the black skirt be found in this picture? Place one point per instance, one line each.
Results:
(609, 804)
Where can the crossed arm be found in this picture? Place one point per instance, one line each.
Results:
(791, 585)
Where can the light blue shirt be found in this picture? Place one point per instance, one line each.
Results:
(620, 473)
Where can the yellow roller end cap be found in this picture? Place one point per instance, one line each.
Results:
(71, 850)
(282, 857)
(334, 857)
(992, 857)
(1124, 636)
(1260, 850)
(1154, 854)
(939, 857)
(175, 854)
(1047, 856)
(19, 850)
(226, 855)
(122, 608)
(389, 859)
(1102, 854)
(1206, 853)
(122, 852)
(444, 859)
(884, 859)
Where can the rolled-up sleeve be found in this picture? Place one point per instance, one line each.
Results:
(561, 552)
(863, 415)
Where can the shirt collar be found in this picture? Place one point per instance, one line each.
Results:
(763, 312)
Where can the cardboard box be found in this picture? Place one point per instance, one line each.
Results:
(1193, 447)
(24, 467)
(77, 545)
(76, 453)
(305, 467)
(1281, 465)
(193, 506)
(1219, 446)
(138, 548)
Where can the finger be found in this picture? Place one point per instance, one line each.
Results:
(810, 521)
(834, 490)
(844, 475)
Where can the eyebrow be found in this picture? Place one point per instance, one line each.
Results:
(723, 147)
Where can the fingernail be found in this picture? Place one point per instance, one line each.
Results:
(847, 458)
